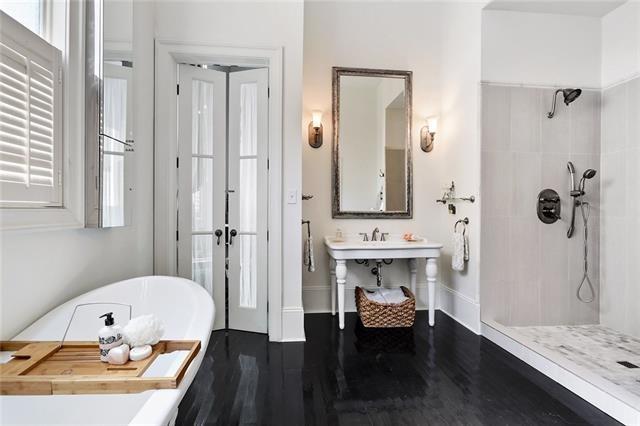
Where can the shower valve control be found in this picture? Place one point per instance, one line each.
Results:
(548, 206)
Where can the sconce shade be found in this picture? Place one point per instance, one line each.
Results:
(316, 118)
(432, 124)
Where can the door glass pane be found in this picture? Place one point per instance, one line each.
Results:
(201, 258)
(202, 122)
(248, 194)
(202, 194)
(113, 190)
(249, 119)
(248, 269)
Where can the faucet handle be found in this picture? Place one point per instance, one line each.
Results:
(383, 236)
(365, 237)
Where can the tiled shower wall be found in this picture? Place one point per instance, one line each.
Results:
(529, 270)
(620, 215)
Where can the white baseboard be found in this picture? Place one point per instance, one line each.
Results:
(591, 393)
(459, 307)
(293, 325)
(317, 298)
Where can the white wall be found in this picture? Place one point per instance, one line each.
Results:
(621, 44)
(41, 269)
(259, 24)
(540, 49)
(458, 150)
(348, 34)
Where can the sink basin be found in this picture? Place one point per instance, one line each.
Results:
(394, 242)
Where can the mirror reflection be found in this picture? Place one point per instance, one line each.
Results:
(373, 144)
(110, 139)
(117, 141)
(117, 120)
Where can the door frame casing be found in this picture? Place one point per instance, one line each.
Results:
(168, 54)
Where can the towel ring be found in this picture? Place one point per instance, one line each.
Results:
(464, 222)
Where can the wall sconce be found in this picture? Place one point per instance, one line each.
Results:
(315, 129)
(428, 134)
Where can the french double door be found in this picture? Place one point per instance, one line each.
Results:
(223, 186)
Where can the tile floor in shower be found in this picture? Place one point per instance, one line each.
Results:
(594, 348)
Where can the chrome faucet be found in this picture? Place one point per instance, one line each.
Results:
(374, 234)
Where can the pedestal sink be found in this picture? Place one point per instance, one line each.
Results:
(395, 247)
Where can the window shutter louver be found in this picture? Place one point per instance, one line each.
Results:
(30, 118)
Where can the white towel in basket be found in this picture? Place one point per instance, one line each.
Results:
(386, 295)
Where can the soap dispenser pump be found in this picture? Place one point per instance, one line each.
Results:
(109, 336)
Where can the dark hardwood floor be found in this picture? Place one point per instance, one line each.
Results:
(441, 376)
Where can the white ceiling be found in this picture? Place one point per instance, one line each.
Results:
(597, 8)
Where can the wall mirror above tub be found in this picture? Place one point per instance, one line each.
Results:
(109, 149)
(372, 167)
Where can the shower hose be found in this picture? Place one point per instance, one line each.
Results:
(585, 209)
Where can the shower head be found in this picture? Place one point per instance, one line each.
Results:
(569, 95)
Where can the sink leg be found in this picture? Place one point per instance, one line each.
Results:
(413, 268)
(341, 279)
(332, 283)
(432, 272)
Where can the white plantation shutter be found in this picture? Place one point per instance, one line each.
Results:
(30, 118)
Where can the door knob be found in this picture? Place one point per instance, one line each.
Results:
(232, 234)
(218, 234)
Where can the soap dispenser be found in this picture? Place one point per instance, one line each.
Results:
(109, 336)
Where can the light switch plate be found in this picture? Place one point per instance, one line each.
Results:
(292, 196)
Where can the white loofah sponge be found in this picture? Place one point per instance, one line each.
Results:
(143, 330)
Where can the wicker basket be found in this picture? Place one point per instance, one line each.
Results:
(386, 315)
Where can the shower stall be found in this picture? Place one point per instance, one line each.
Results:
(560, 234)
(560, 242)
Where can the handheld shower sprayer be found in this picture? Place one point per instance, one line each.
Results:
(588, 174)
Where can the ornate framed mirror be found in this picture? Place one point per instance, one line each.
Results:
(371, 158)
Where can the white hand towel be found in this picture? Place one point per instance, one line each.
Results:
(457, 259)
(466, 247)
(309, 260)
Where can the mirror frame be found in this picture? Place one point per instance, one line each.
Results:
(93, 116)
(407, 76)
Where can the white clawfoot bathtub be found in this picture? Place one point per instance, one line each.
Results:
(187, 312)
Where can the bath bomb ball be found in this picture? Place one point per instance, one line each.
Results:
(118, 355)
(143, 330)
(141, 352)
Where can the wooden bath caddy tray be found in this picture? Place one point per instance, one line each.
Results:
(52, 368)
